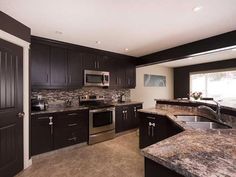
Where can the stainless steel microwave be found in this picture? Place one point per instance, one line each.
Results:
(96, 78)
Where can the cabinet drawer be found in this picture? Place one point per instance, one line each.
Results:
(71, 119)
(69, 136)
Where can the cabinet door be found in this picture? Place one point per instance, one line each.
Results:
(58, 67)
(40, 65)
(71, 128)
(130, 75)
(120, 118)
(117, 74)
(134, 120)
(75, 72)
(146, 134)
(103, 63)
(41, 133)
(89, 61)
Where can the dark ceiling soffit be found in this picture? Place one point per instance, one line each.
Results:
(14, 27)
(187, 50)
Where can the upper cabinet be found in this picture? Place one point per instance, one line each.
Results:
(58, 67)
(55, 66)
(40, 65)
(75, 71)
(95, 62)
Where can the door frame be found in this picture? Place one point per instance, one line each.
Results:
(26, 46)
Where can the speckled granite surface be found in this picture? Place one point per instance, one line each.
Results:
(126, 103)
(192, 153)
(59, 109)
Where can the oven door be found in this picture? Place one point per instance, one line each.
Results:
(101, 120)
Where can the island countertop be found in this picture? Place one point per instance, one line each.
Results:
(192, 153)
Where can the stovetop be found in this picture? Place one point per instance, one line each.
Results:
(94, 102)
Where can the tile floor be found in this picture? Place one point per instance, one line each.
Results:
(119, 157)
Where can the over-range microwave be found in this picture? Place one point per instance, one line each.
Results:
(96, 78)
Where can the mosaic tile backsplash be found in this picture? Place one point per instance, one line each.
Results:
(60, 96)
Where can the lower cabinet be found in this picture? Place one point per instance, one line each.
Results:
(70, 128)
(126, 117)
(153, 169)
(57, 130)
(154, 128)
(41, 133)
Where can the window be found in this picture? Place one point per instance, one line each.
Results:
(220, 85)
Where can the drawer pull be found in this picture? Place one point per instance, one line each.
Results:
(42, 118)
(72, 125)
(73, 114)
(149, 117)
(72, 139)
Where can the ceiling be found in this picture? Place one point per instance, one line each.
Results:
(203, 58)
(141, 26)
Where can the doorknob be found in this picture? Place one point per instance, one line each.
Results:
(21, 114)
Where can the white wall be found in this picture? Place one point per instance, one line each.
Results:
(148, 94)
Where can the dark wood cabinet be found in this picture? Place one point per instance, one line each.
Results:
(55, 65)
(58, 67)
(126, 117)
(75, 71)
(154, 128)
(130, 75)
(57, 130)
(70, 128)
(117, 74)
(95, 62)
(41, 133)
(40, 65)
(153, 169)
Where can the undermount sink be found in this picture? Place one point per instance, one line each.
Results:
(199, 122)
(192, 119)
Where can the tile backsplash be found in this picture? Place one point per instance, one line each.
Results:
(59, 96)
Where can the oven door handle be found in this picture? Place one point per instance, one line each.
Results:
(102, 110)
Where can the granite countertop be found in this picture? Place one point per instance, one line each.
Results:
(229, 106)
(126, 103)
(75, 108)
(59, 109)
(192, 153)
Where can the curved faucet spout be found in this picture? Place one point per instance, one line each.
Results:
(216, 113)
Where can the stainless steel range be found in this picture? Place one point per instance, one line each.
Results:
(101, 118)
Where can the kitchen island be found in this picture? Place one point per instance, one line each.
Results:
(192, 152)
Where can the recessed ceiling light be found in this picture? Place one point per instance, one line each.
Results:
(58, 32)
(98, 42)
(197, 8)
(126, 49)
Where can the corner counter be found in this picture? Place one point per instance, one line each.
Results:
(194, 152)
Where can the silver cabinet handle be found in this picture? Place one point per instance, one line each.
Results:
(72, 139)
(149, 130)
(152, 131)
(135, 112)
(42, 118)
(51, 124)
(69, 79)
(72, 125)
(72, 114)
(149, 117)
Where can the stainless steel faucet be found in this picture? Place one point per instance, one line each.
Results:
(216, 113)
